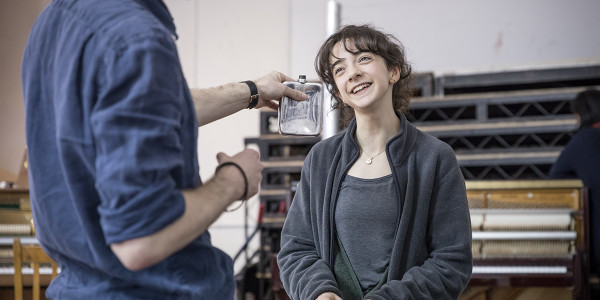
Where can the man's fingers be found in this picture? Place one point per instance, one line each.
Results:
(272, 105)
(253, 153)
(221, 156)
(294, 94)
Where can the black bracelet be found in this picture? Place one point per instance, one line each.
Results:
(253, 94)
(230, 163)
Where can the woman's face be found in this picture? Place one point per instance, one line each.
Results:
(363, 80)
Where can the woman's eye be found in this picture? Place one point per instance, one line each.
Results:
(364, 58)
(337, 70)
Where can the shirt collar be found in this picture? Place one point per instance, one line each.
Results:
(161, 12)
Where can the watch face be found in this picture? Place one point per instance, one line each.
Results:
(253, 101)
(253, 94)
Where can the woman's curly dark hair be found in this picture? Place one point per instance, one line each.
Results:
(366, 39)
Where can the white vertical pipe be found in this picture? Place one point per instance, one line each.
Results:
(331, 117)
(333, 17)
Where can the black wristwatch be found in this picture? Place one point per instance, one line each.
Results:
(253, 94)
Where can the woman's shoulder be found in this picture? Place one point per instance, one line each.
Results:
(428, 142)
(329, 144)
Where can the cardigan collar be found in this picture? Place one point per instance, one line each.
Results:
(400, 145)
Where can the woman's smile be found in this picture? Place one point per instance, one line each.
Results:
(360, 88)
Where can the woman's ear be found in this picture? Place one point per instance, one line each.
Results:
(394, 74)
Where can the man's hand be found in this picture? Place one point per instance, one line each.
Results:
(271, 87)
(203, 205)
(328, 296)
(249, 161)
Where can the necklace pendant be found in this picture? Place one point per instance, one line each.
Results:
(369, 161)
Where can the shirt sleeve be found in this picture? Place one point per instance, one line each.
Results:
(136, 123)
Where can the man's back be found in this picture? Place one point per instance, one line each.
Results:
(111, 136)
(580, 159)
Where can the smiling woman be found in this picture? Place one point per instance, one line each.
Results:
(365, 42)
(338, 240)
(363, 78)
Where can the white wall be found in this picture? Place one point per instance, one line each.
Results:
(463, 35)
(233, 40)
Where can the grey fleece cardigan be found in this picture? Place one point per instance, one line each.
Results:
(431, 257)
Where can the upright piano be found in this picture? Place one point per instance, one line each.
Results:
(530, 233)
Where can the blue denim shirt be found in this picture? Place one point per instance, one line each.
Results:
(112, 137)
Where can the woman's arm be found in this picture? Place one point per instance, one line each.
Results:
(304, 273)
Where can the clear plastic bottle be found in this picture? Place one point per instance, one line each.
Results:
(302, 117)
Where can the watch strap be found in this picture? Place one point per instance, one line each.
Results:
(253, 94)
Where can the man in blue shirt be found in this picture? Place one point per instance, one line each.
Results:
(112, 147)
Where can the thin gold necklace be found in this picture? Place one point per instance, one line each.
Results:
(369, 160)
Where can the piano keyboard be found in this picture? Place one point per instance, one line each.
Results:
(24, 240)
(519, 270)
(15, 229)
(26, 271)
(524, 235)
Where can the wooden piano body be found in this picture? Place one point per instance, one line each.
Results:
(530, 233)
(16, 221)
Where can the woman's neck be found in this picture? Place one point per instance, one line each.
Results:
(374, 130)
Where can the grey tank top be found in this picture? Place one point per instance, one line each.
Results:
(365, 217)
